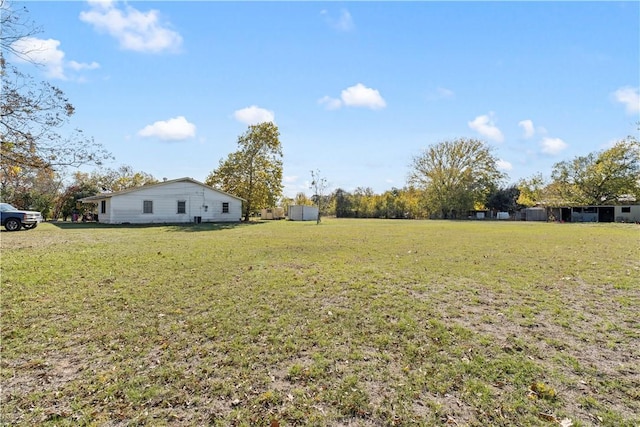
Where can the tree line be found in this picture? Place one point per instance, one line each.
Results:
(447, 180)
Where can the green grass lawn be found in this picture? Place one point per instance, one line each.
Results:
(351, 322)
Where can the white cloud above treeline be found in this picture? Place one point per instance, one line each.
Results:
(253, 115)
(135, 30)
(47, 53)
(175, 129)
(486, 127)
(355, 96)
(527, 127)
(629, 97)
(552, 146)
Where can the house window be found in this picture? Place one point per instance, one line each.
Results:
(147, 206)
(626, 209)
(182, 207)
(225, 207)
(103, 207)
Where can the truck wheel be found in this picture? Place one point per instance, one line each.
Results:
(12, 224)
(30, 226)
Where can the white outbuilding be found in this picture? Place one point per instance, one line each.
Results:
(303, 213)
(180, 200)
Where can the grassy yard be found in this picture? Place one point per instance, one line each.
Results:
(347, 323)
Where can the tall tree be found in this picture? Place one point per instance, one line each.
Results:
(32, 113)
(455, 175)
(599, 178)
(343, 203)
(254, 171)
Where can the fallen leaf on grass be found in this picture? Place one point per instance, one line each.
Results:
(548, 417)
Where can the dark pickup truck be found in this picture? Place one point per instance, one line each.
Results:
(14, 219)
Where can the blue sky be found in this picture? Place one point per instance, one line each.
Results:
(356, 88)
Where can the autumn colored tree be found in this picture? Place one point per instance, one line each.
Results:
(122, 178)
(254, 171)
(531, 190)
(455, 176)
(599, 178)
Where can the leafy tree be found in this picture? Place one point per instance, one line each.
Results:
(31, 113)
(504, 199)
(302, 199)
(68, 200)
(29, 188)
(364, 202)
(455, 175)
(412, 202)
(125, 177)
(599, 178)
(342, 202)
(531, 190)
(254, 172)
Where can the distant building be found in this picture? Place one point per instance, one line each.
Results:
(272, 213)
(608, 213)
(303, 213)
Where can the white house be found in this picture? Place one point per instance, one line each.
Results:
(180, 200)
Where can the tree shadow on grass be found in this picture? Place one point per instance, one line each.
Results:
(173, 227)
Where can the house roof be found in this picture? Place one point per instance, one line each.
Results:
(103, 196)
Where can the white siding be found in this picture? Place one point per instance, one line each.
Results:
(200, 202)
(632, 216)
(104, 217)
(303, 213)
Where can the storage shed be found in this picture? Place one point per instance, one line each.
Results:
(272, 213)
(180, 200)
(303, 213)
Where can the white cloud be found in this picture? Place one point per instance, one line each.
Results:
(47, 53)
(42, 52)
(485, 126)
(504, 165)
(175, 129)
(134, 30)
(527, 126)
(330, 103)
(78, 66)
(253, 115)
(362, 96)
(343, 23)
(629, 97)
(355, 96)
(552, 146)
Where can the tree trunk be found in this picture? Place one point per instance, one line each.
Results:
(247, 212)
